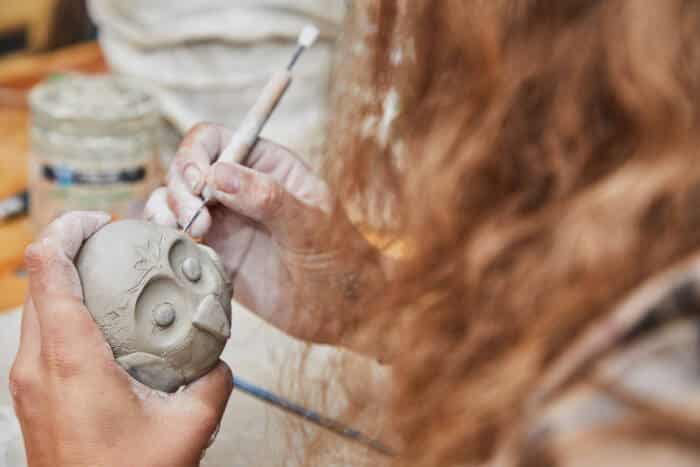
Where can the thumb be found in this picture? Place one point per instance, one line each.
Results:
(50, 259)
(258, 196)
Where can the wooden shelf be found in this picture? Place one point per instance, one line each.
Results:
(34, 15)
(24, 71)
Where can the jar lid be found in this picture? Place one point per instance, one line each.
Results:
(99, 99)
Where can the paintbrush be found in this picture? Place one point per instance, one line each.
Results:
(322, 421)
(249, 130)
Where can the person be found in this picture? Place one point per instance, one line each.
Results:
(540, 167)
(207, 60)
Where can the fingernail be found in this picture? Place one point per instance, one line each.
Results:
(226, 179)
(193, 176)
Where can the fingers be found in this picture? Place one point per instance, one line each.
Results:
(68, 333)
(158, 211)
(187, 178)
(192, 171)
(260, 197)
(30, 336)
(247, 192)
(267, 155)
(184, 205)
(25, 374)
(197, 151)
(213, 389)
(207, 397)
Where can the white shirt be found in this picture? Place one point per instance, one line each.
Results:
(207, 60)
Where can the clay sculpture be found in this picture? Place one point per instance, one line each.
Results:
(162, 301)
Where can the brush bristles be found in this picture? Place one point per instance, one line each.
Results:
(308, 36)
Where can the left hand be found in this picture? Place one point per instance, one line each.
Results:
(76, 405)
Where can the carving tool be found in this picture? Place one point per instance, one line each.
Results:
(247, 134)
(311, 416)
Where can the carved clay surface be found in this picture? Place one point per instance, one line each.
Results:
(162, 302)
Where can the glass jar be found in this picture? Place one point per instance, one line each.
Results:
(94, 147)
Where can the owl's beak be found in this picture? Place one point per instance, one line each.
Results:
(211, 318)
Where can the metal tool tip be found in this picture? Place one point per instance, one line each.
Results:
(194, 218)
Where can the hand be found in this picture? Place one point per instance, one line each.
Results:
(268, 226)
(76, 405)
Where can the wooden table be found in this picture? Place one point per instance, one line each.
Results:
(17, 76)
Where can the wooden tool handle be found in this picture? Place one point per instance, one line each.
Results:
(247, 134)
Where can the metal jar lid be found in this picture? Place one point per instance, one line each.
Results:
(83, 104)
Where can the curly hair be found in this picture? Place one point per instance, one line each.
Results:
(539, 157)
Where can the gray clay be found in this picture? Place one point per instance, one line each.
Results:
(192, 269)
(162, 302)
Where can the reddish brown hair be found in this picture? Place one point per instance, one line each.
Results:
(542, 164)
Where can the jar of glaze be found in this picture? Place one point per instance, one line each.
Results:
(94, 147)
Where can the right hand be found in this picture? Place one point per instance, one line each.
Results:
(265, 226)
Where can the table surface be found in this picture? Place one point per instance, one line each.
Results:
(17, 76)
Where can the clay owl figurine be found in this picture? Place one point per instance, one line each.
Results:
(162, 301)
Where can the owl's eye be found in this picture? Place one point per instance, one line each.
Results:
(192, 269)
(164, 315)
